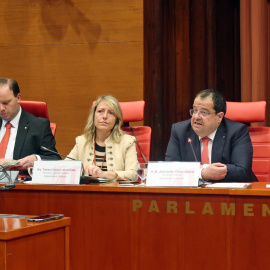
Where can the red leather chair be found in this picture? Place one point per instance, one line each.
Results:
(133, 111)
(39, 109)
(248, 112)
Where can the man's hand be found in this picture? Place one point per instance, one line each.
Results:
(27, 161)
(3, 160)
(215, 171)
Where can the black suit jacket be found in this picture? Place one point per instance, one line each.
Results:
(34, 132)
(231, 146)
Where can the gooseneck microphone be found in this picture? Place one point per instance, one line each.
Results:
(49, 150)
(190, 142)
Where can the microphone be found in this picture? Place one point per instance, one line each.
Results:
(201, 181)
(47, 149)
(190, 142)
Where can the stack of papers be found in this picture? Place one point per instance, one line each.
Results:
(228, 185)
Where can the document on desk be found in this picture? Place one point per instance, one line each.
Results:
(228, 185)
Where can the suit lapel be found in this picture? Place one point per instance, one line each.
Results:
(21, 134)
(218, 143)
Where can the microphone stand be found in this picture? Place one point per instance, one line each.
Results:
(201, 181)
(190, 142)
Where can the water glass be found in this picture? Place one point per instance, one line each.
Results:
(142, 172)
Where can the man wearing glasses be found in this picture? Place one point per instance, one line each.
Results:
(221, 145)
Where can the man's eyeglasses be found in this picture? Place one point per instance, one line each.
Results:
(201, 113)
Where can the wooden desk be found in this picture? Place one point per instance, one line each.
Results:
(34, 245)
(141, 228)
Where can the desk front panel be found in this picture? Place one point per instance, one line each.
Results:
(136, 228)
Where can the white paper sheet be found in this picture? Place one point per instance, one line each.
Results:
(228, 185)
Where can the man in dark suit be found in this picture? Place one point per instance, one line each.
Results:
(27, 133)
(229, 150)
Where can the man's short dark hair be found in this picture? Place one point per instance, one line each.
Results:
(12, 84)
(218, 99)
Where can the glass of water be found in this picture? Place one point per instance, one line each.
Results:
(142, 172)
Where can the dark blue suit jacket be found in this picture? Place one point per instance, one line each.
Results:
(33, 132)
(231, 146)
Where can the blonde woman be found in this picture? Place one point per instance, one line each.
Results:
(105, 150)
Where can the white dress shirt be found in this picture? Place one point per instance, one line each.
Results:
(13, 133)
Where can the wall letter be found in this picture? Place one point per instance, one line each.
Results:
(137, 204)
(265, 210)
(228, 211)
(172, 207)
(153, 207)
(188, 211)
(207, 209)
(248, 209)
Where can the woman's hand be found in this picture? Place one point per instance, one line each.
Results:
(95, 171)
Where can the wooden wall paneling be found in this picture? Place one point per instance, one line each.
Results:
(170, 99)
(69, 85)
(183, 65)
(199, 49)
(214, 43)
(228, 49)
(153, 74)
(68, 22)
(69, 52)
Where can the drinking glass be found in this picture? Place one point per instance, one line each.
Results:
(142, 172)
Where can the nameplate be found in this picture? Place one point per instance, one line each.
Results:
(57, 172)
(173, 174)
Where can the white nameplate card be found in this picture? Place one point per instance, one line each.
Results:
(172, 174)
(57, 172)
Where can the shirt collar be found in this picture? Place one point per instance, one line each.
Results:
(15, 121)
(211, 136)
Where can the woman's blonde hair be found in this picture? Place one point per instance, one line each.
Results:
(116, 132)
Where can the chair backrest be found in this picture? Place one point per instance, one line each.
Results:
(248, 112)
(39, 109)
(143, 136)
(133, 111)
(260, 138)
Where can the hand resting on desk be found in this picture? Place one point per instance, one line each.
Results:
(215, 171)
